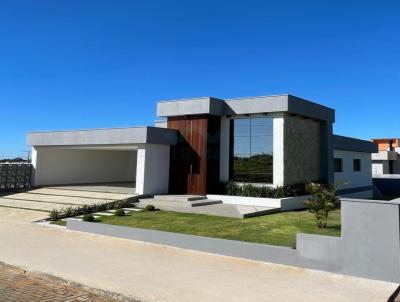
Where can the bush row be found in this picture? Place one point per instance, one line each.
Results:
(249, 190)
(89, 209)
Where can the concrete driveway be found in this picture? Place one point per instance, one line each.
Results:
(47, 199)
(153, 272)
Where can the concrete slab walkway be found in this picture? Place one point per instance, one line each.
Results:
(159, 273)
(47, 199)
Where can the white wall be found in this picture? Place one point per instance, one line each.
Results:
(152, 175)
(380, 167)
(355, 179)
(278, 149)
(55, 166)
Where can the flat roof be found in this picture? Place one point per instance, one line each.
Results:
(385, 139)
(110, 136)
(249, 105)
(353, 144)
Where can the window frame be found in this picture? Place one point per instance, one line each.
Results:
(358, 160)
(250, 177)
(341, 164)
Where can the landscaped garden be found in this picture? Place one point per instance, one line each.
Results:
(275, 229)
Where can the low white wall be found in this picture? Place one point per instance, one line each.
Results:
(354, 179)
(285, 204)
(54, 166)
(152, 175)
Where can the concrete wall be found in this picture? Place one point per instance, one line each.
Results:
(224, 150)
(369, 246)
(53, 166)
(152, 175)
(284, 204)
(278, 149)
(354, 179)
(380, 167)
(302, 150)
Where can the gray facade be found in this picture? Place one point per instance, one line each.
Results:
(111, 136)
(302, 147)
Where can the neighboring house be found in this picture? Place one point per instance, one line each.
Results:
(203, 142)
(386, 160)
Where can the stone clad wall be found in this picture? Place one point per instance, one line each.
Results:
(302, 150)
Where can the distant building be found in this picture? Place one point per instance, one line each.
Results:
(386, 161)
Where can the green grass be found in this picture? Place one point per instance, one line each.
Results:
(275, 229)
(59, 222)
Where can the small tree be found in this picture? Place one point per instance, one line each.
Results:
(323, 200)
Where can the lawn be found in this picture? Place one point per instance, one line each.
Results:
(275, 229)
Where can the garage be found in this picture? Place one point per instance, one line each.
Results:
(136, 157)
(85, 165)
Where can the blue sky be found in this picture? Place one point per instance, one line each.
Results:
(83, 64)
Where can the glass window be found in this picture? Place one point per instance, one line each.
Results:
(252, 150)
(356, 165)
(338, 165)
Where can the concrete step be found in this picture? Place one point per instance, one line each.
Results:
(179, 198)
(171, 203)
(219, 209)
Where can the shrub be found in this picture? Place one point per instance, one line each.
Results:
(323, 200)
(54, 215)
(150, 208)
(88, 218)
(119, 212)
(250, 190)
(92, 208)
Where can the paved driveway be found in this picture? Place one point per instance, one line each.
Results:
(46, 199)
(19, 285)
(153, 272)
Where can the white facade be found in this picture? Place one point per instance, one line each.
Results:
(354, 179)
(152, 175)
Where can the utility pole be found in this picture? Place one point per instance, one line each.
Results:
(28, 155)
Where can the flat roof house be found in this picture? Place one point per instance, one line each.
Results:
(203, 142)
(386, 160)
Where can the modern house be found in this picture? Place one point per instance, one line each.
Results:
(386, 160)
(203, 142)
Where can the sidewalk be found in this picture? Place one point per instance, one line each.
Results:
(159, 273)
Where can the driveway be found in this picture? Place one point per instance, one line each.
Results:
(19, 285)
(153, 272)
(47, 199)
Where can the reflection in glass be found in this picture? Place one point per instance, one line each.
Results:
(252, 150)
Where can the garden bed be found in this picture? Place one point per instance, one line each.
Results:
(275, 229)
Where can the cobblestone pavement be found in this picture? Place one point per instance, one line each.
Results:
(19, 285)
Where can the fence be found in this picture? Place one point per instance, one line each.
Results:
(15, 176)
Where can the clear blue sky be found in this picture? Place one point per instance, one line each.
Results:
(83, 64)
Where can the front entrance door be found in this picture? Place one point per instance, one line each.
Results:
(188, 170)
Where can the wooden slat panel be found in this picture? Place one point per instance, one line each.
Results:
(195, 161)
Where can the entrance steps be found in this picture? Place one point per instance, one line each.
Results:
(196, 204)
(177, 201)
